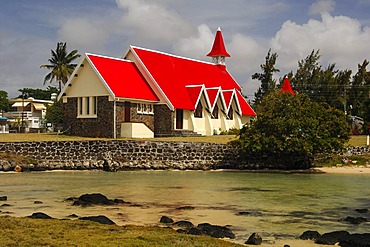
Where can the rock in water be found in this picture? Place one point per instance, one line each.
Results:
(166, 220)
(100, 219)
(310, 235)
(3, 198)
(356, 240)
(92, 199)
(216, 231)
(332, 238)
(40, 215)
(254, 239)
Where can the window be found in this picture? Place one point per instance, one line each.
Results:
(199, 111)
(230, 114)
(86, 107)
(215, 112)
(145, 108)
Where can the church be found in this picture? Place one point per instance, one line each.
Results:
(149, 93)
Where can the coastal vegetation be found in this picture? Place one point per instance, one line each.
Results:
(52, 232)
(293, 130)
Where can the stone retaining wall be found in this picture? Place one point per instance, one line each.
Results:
(121, 155)
(131, 155)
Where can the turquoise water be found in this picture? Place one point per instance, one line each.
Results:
(275, 205)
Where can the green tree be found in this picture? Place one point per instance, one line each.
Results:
(291, 130)
(37, 93)
(4, 103)
(61, 66)
(266, 77)
(54, 113)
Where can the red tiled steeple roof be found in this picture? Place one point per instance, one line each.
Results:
(218, 48)
(287, 87)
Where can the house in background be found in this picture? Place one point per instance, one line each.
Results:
(4, 127)
(28, 113)
(149, 93)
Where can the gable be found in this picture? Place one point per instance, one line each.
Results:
(85, 82)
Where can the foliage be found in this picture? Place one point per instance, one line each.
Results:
(43, 94)
(54, 113)
(266, 77)
(291, 130)
(53, 232)
(4, 103)
(61, 65)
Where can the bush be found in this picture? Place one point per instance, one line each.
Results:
(291, 130)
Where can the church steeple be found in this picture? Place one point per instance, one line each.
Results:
(218, 52)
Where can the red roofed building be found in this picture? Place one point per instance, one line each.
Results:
(150, 93)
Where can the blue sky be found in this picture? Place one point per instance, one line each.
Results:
(30, 29)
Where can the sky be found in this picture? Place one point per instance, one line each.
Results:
(29, 30)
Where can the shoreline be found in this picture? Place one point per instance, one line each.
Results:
(344, 169)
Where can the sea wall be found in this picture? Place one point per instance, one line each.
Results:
(120, 155)
(131, 155)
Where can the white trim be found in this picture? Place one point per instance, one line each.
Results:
(216, 98)
(142, 65)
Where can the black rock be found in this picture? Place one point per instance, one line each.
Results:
(38, 202)
(310, 235)
(286, 245)
(166, 220)
(40, 215)
(72, 216)
(118, 201)
(362, 210)
(355, 220)
(254, 239)
(182, 231)
(244, 213)
(183, 224)
(332, 237)
(194, 231)
(3, 198)
(186, 208)
(100, 219)
(216, 231)
(92, 199)
(5, 205)
(356, 240)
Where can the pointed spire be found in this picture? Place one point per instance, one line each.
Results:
(218, 52)
(287, 87)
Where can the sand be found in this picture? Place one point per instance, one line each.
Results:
(345, 169)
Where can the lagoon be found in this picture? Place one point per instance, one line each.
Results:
(274, 205)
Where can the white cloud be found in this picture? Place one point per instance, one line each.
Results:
(152, 22)
(340, 39)
(322, 6)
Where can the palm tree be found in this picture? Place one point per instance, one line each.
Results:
(61, 65)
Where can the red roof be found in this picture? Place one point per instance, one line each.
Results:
(218, 48)
(244, 106)
(228, 96)
(287, 87)
(123, 78)
(212, 94)
(173, 73)
(194, 93)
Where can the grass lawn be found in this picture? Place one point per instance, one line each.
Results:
(40, 232)
(29, 137)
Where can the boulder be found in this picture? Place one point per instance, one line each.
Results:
(38, 202)
(100, 219)
(92, 199)
(362, 210)
(40, 215)
(310, 235)
(194, 231)
(5, 205)
(185, 208)
(166, 220)
(3, 198)
(355, 220)
(356, 240)
(184, 224)
(216, 231)
(254, 239)
(332, 238)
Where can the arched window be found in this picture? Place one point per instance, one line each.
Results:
(215, 112)
(199, 110)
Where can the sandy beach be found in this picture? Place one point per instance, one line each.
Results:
(345, 169)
